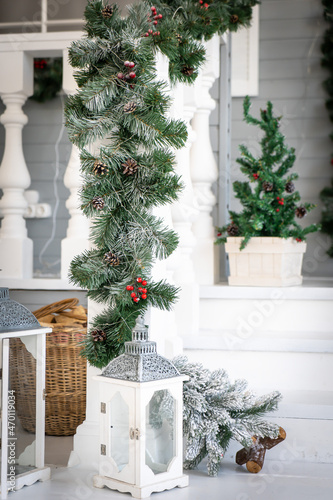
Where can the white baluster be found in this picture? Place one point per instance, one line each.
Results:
(77, 238)
(204, 170)
(16, 249)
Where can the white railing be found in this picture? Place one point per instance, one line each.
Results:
(193, 262)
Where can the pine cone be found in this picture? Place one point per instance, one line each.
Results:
(267, 186)
(187, 70)
(290, 187)
(234, 19)
(98, 335)
(129, 107)
(107, 11)
(233, 230)
(130, 166)
(111, 258)
(100, 168)
(300, 212)
(98, 202)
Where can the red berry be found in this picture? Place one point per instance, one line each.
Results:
(140, 289)
(129, 287)
(278, 197)
(278, 210)
(143, 296)
(206, 5)
(150, 31)
(120, 76)
(219, 234)
(158, 33)
(155, 22)
(153, 8)
(144, 290)
(255, 176)
(146, 34)
(139, 280)
(127, 63)
(131, 64)
(144, 283)
(298, 239)
(132, 74)
(133, 294)
(201, 2)
(160, 16)
(136, 299)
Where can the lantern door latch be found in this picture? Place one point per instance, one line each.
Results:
(134, 433)
(44, 394)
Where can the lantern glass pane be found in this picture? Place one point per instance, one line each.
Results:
(160, 431)
(21, 406)
(119, 430)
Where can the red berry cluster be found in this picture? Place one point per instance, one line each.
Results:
(138, 291)
(280, 202)
(153, 20)
(255, 176)
(298, 240)
(129, 76)
(40, 63)
(203, 5)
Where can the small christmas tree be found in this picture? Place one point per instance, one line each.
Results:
(326, 194)
(271, 203)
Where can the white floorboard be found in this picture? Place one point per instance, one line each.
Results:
(277, 481)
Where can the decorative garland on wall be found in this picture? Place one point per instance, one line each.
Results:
(122, 107)
(47, 78)
(326, 194)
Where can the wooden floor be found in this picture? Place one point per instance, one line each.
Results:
(293, 480)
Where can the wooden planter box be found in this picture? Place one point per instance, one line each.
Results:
(265, 261)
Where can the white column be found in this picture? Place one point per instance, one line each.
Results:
(204, 170)
(16, 249)
(162, 324)
(77, 236)
(184, 212)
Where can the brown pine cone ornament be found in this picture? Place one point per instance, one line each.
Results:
(234, 19)
(129, 107)
(232, 230)
(98, 335)
(100, 168)
(111, 258)
(98, 202)
(107, 11)
(267, 186)
(187, 70)
(300, 212)
(130, 167)
(290, 187)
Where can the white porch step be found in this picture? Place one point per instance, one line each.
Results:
(276, 339)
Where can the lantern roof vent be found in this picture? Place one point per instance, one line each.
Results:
(14, 316)
(140, 362)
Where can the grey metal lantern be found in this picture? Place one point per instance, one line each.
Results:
(22, 344)
(141, 438)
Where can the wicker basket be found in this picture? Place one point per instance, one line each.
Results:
(65, 378)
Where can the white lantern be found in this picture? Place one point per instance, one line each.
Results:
(22, 344)
(141, 431)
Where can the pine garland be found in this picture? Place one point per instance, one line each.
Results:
(271, 205)
(216, 411)
(326, 194)
(119, 120)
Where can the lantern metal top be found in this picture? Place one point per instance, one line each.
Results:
(140, 362)
(14, 316)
